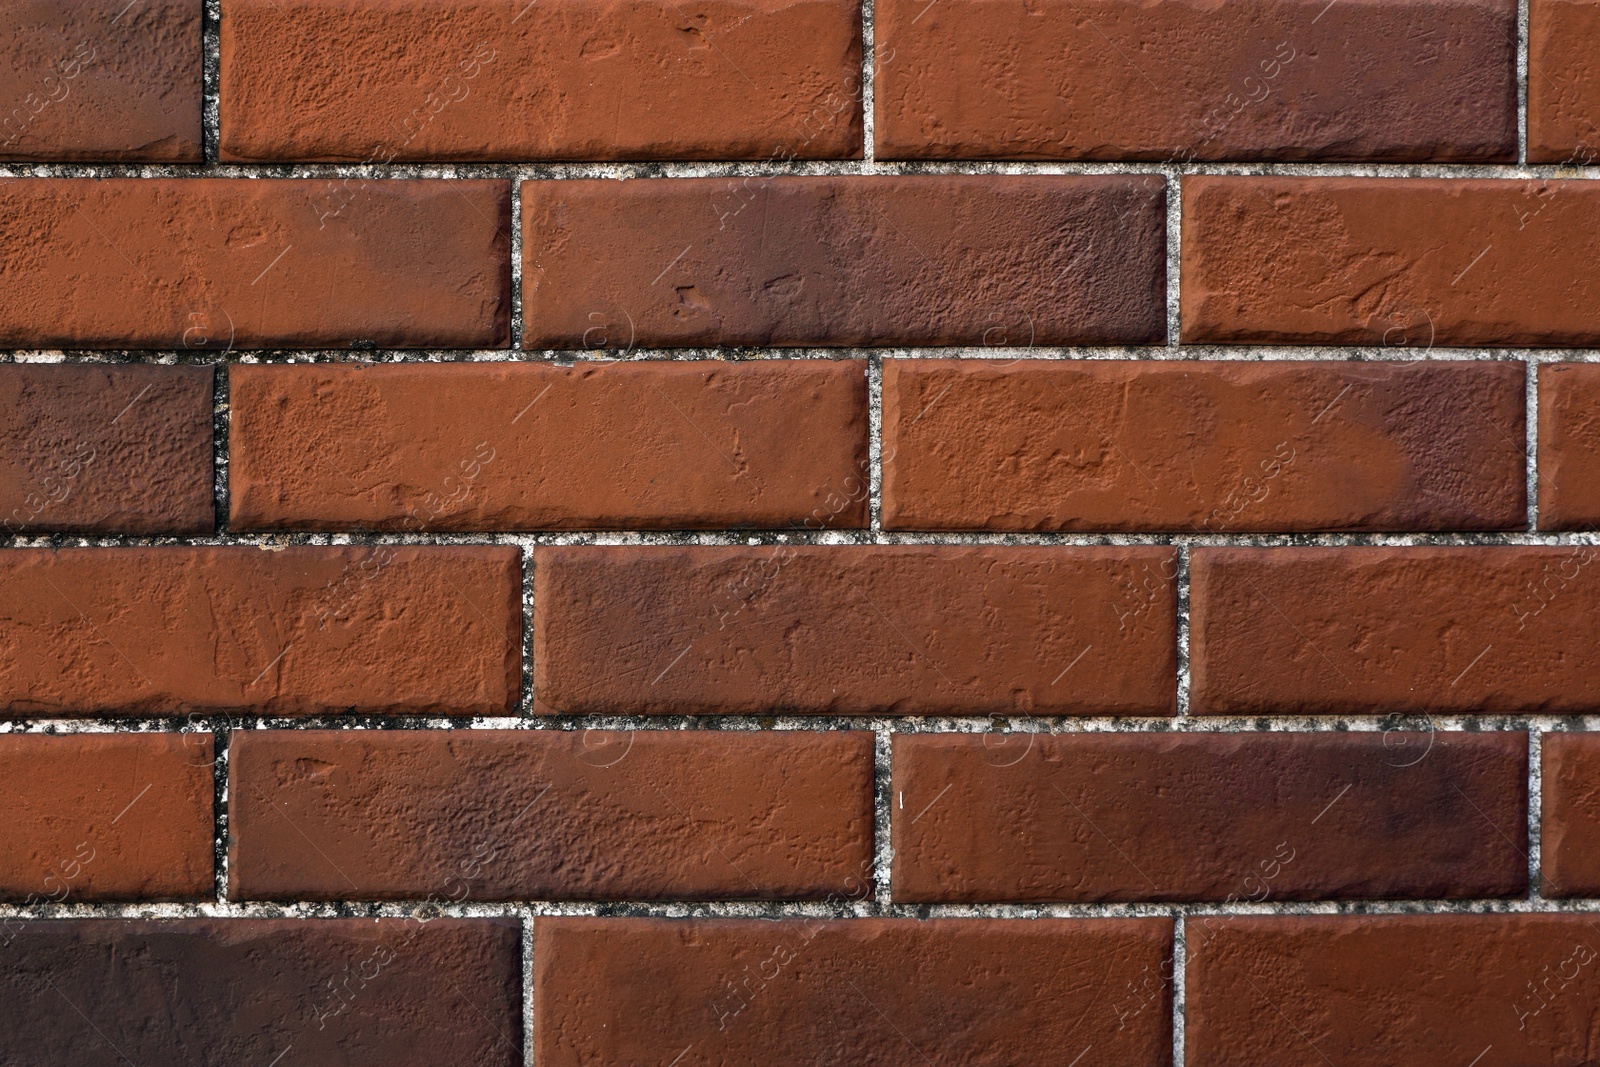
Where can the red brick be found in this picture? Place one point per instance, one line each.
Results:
(105, 448)
(1218, 447)
(1359, 631)
(924, 630)
(1570, 839)
(1203, 816)
(1389, 261)
(1569, 446)
(496, 446)
(1365, 991)
(927, 260)
(1563, 82)
(290, 631)
(102, 80)
(354, 992)
(499, 80)
(890, 992)
(1250, 79)
(106, 817)
(542, 814)
(168, 263)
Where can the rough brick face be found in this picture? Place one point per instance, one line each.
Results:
(362, 992)
(595, 79)
(1356, 631)
(1390, 261)
(1364, 991)
(1569, 446)
(398, 629)
(1224, 817)
(220, 263)
(491, 446)
(1564, 82)
(1179, 80)
(1570, 838)
(509, 815)
(105, 449)
(106, 817)
(1202, 447)
(101, 80)
(843, 261)
(901, 993)
(819, 630)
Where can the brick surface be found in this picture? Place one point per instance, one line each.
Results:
(1563, 82)
(202, 263)
(1364, 991)
(592, 79)
(1569, 446)
(1203, 447)
(1227, 817)
(1359, 631)
(305, 630)
(840, 630)
(947, 259)
(1570, 839)
(104, 448)
(1390, 261)
(106, 817)
(486, 446)
(101, 80)
(891, 992)
(1181, 80)
(355, 992)
(515, 815)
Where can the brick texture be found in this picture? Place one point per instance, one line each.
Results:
(1564, 82)
(227, 263)
(105, 449)
(1390, 261)
(1224, 817)
(1431, 990)
(106, 817)
(101, 80)
(1569, 446)
(900, 993)
(817, 630)
(362, 992)
(1358, 631)
(508, 815)
(1179, 80)
(298, 631)
(1570, 837)
(931, 260)
(1202, 447)
(491, 446)
(595, 79)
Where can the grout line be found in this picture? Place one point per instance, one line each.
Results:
(882, 816)
(1531, 427)
(1535, 813)
(220, 739)
(1182, 578)
(527, 986)
(875, 447)
(211, 79)
(1174, 256)
(525, 694)
(221, 501)
(868, 86)
(1522, 82)
(516, 265)
(1180, 987)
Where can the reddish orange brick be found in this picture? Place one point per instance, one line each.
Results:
(1389, 261)
(1563, 82)
(106, 817)
(1202, 816)
(205, 263)
(1569, 446)
(292, 631)
(1215, 447)
(1570, 839)
(491, 446)
(504, 80)
(1250, 79)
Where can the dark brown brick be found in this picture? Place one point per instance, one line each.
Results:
(1570, 838)
(287, 631)
(1250, 79)
(1215, 447)
(923, 630)
(890, 992)
(1563, 82)
(1569, 446)
(357, 992)
(498, 446)
(1202, 816)
(925, 260)
(105, 448)
(1364, 631)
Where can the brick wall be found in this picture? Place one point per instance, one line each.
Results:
(783, 531)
